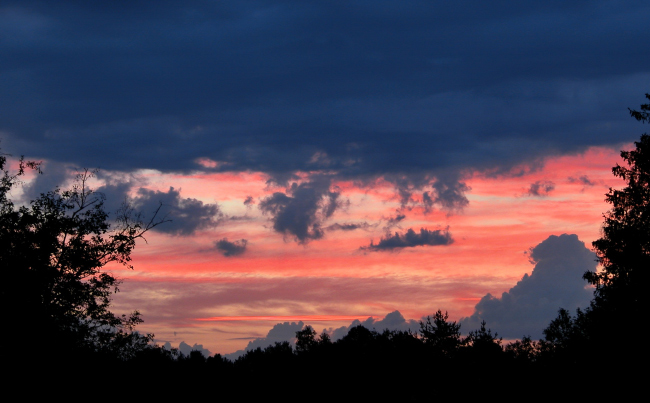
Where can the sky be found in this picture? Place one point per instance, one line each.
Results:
(330, 162)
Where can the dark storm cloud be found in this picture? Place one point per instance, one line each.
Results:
(411, 239)
(556, 282)
(228, 248)
(300, 212)
(410, 89)
(187, 215)
(541, 188)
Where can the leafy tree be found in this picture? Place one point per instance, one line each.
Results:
(305, 339)
(53, 253)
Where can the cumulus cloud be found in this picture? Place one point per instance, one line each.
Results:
(54, 175)
(287, 331)
(541, 188)
(228, 248)
(280, 332)
(411, 239)
(187, 214)
(556, 282)
(393, 321)
(186, 349)
(301, 211)
(116, 194)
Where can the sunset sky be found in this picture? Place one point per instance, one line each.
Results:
(323, 162)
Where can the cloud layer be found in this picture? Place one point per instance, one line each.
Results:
(418, 90)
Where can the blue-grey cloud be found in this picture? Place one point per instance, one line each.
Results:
(116, 194)
(249, 201)
(348, 226)
(583, 180)
(187, 215)
(186, 349)
(411, 239)
(228, 248)
(420, 90)
(556, 282)
(393, 321)
(446, 190)
(54, 175)
(280, 332)
(287, 331)
(301, 211)
(541, 188)
(393, 222)
(449, 193)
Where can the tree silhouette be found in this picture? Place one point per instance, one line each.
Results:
(624, 249)
(620, 287)
(52, 254)
(483, 340)
(305, 339)
(440, 333)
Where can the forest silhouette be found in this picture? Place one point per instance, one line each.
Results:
(54, 250)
